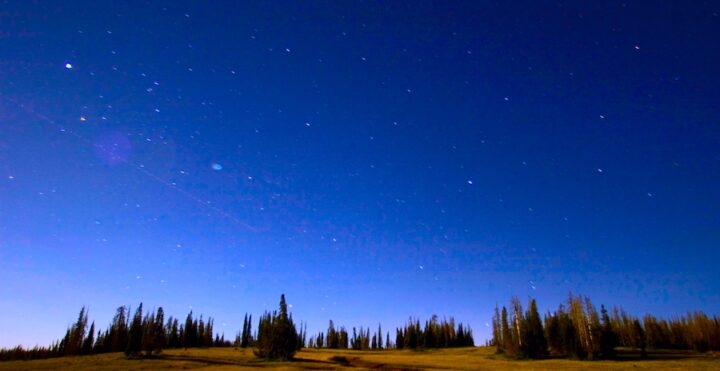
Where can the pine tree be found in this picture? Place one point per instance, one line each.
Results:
(571, 340)
(250, 339)
(363, 340)
(264, 335)
(320, 342)
(301, 336)
(497, 339)
(608, 337)
(399, 339)
(209, 331)
(380, 337)
(173, 334)
(87, 347)
(552, 330)
(508, 343)
(158, 333)
(277, 335)
(188, 332)
(461, 336)
(342, 338)
(244, 334)
(469, 340)
(118, 334)
(148, 324)
(332, 340)
(100, 341)
(412, 334)
(136, 334)
(72, 343)
(200, 340)
(534, 344)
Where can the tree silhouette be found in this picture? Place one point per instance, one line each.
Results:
(277, 335)
(534, 344)
(608, 337)
(578, 332)
(87, 347)
(134, 345)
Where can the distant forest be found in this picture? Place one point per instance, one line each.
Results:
(573, 331)
(579, 331)
(146, 334)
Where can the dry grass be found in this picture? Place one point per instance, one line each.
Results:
(448, 359)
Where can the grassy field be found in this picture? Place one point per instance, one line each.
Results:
(449, 359)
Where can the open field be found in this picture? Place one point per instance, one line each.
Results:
(449, 359)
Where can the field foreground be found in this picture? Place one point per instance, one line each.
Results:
(312, 359)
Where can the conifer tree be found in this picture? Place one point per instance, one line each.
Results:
(507, 337)
(302, 336)
(497, 339)
(320, 342)
(277, 335)
(552, 330)
(380, 337)
(158, 336)
(100, 342)
(148, 324)
(89, 342)
(342, 338)
(244, 334)
(354, 341)
(608, 338)
(571, 341)
(534, 344)
(209, 331)
(136, 334)
(72, 343)
(118, 334)
(461, 336)
(399, 339)
(332, 339)
(200, 340)
(188, 332)
(173, 335)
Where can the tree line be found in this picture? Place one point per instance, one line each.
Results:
(579, 331)
(576, 330)
(146, 334)
(434, 334)
(143, 334)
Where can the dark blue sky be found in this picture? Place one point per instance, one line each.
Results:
(371, 160)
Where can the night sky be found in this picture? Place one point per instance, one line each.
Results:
(371, 160)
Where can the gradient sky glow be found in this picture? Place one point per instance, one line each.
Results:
(371, 160)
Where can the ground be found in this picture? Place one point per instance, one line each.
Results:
(482, 358)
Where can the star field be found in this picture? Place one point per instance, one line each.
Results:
(370, 160)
